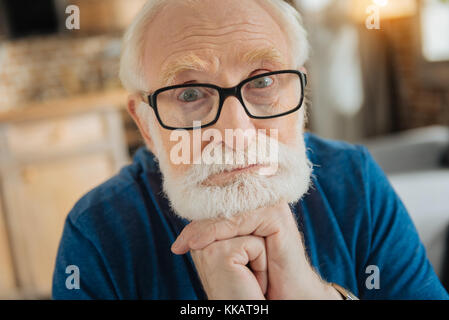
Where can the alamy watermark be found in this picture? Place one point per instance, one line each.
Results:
(73, 280)
(373, 11)
(242, 147)
(73, 20)
(373, 280)
(372, 21)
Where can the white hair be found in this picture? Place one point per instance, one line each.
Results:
(131, 63)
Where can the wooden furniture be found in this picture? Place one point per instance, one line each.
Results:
(7, 280)
(50, 155)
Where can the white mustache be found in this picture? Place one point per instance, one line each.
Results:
(238, 159)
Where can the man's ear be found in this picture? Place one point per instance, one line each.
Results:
(133, 103)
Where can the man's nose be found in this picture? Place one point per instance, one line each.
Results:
(236, 127)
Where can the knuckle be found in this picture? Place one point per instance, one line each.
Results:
(203, 235)
(214, 249)
(185, 234)
(195, 230)
(192, 227)
(212, 228)
(238, 219)
(235, 223)
(220, 249)
(259, 241)
(232, 224)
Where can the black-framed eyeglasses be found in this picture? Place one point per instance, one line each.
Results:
(198, 105)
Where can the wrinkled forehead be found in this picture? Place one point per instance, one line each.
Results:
(210, 34)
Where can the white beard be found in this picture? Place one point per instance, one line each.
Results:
(191, 199)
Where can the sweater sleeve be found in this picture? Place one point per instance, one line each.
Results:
(80, 273)
(396, 251)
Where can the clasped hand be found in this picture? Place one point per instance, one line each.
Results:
(254, 255)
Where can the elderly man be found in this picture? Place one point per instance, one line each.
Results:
(314, 220)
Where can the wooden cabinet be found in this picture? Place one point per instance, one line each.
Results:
(7, 280)
(47, 162)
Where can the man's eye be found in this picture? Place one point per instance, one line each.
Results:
(190, 95)
(261, 83)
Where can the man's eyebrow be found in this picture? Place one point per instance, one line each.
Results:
(188, 62)
(270, 54)
(192, 61)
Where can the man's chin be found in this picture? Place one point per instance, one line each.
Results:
(244, 193)
(208, 192)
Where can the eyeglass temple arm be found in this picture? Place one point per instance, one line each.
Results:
(146, 97)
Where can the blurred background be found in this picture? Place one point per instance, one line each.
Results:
(379, 75)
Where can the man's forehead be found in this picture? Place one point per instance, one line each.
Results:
(260, 56)
(198, 40)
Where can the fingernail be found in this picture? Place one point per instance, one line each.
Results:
(175, 246)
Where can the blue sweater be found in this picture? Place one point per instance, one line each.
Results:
(119, 234)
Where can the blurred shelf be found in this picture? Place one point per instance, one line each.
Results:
(66, 106)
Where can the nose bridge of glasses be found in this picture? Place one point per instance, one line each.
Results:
(236, 93)
(230, 92)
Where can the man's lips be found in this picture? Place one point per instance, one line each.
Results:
(244, 168)
(224, 176)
